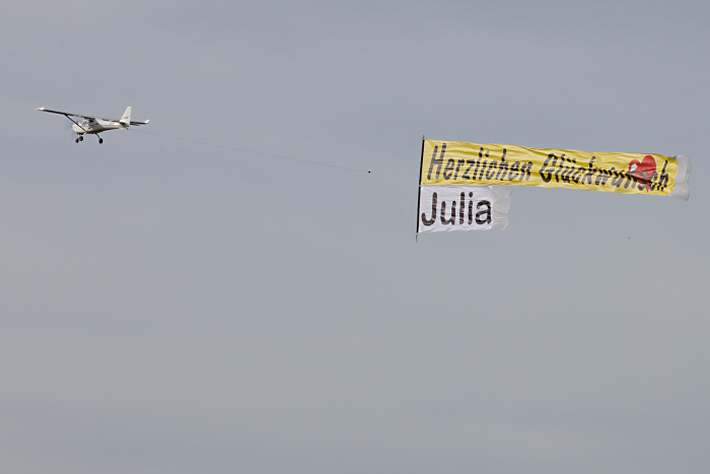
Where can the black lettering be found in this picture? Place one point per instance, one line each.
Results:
(480, 164)
(503, 167)
(428, 222)
(526, 169)
(630, 177)
(574, 176)
(618, 178)
(462, 207)
(565, 169)
(642, 178)
(436, 162)
(483, 169)
(559, 167)
(544, 168)
(589, 174)
(490, 174)
(514, 171)
(445, 221)
(604, 176)
(568, 171)
(663, 181)
(449, 170)
(458, 167)
(486, 212)
(465, 174)
(470, 209)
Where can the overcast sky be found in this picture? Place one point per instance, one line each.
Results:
(173, 307)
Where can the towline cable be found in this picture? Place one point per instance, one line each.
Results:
(254, 152)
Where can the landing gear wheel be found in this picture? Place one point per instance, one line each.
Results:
(81, 138)
(101, 140)
(77, 140)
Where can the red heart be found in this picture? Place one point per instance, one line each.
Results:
(643, 170)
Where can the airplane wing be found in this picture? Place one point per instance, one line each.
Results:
(140, 123)
(66, 114)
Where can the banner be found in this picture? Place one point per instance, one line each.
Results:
(459, 163)
(449, 208)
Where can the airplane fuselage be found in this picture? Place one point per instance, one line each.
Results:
(96, 126)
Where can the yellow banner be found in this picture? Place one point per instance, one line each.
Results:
(460, 163)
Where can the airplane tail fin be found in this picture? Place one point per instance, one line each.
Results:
(126, 119)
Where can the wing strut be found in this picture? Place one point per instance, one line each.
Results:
(77, 123)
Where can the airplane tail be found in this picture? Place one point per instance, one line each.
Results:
(126, 119)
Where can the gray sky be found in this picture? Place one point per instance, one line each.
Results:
(170, 307)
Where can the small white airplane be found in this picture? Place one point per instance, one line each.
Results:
(95, 125)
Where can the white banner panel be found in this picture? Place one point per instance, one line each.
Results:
(449, 208)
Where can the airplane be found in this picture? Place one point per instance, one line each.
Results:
(95, 125)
